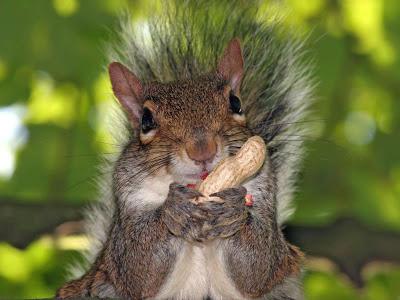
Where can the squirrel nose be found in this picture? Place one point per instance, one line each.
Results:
(201, 150)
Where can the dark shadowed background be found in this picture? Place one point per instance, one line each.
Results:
(55, 103)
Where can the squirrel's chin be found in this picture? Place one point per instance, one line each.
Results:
(190, 178)
(186, 174)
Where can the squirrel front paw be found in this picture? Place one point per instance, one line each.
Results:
(227, 217)
(182, 216)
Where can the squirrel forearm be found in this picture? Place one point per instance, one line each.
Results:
(143, 254)
(258, 258)
(128, 268)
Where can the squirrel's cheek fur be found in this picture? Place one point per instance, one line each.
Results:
(187, 158)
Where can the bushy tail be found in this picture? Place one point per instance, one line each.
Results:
(186, 38)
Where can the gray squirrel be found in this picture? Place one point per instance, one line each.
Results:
(205, 77)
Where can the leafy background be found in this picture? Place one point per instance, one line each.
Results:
(55, 101)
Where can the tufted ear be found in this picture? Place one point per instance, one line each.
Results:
(128, 90)
(230, 66)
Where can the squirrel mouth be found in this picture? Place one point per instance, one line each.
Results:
(198, 176)
(203, 174)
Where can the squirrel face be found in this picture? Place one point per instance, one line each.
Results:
(193, 123)
(190, 119)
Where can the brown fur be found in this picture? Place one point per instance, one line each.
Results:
(143, 243)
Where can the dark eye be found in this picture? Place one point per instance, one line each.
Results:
(148, 122)
(235, 104)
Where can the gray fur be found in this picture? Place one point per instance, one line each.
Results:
(276, 91)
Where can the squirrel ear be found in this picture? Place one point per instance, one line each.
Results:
(128, 90)
(231, 64)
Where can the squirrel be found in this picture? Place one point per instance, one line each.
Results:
(194, 89)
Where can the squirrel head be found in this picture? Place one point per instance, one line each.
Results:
(195, 122)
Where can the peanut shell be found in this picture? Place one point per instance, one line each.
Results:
(233, 170)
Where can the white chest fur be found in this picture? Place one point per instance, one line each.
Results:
(199, 272)
(189, 279)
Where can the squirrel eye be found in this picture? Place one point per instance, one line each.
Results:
(235, 104)
(148, 122)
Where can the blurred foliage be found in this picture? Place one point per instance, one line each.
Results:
(34, 272)
(55, 99)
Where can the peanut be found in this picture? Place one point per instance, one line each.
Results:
(232, 171)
